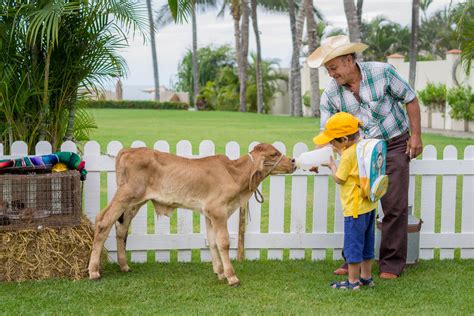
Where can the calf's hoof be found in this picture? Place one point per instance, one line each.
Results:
(125, 269)
(95, 275)
(233, 281)
(221, 276)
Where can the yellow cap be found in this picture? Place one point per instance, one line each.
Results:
(339, 125)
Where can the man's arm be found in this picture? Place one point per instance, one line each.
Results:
(415, 145)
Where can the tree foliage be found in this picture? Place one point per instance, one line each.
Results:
(220, 82)
(464, 19)
(384, 37)
(434, 97)
(461, 100)
(51, 50)
(210, 60)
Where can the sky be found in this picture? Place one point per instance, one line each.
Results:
(173, 40)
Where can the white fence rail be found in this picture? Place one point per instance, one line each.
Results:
(276, 239)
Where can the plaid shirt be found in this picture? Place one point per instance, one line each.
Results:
(381, 92)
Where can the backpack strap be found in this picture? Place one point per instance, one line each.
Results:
(355, 202)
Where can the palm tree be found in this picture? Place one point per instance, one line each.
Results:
(352, 21)
(179, 11)
(154, 58)
(41, 41)
(384, 38)
(415, 13)
(244, 50)
(295, 77)
(258, 57)
(360, 3)
(272, 76)
(312, 29)
(194, 55)
(424, 4)
(464, 18)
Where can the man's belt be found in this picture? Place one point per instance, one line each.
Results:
(394, 139)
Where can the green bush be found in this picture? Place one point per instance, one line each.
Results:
(461, 101)
(434, 97)
(132, 104)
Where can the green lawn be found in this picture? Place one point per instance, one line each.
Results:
(220, 127)
(268, 287)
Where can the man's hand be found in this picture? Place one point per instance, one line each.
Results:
(414, 146)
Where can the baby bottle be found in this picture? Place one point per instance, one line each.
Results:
(314, 158)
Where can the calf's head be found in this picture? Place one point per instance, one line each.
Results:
(267, 160)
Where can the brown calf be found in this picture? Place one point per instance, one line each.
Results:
(214, 186)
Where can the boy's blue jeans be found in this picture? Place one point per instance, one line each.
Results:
(359, 237)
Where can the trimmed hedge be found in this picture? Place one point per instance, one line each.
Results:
(131, 104)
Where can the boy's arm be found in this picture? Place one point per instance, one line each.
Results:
(332, 166)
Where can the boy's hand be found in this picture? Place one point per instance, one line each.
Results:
(331, 165)
(314, 169)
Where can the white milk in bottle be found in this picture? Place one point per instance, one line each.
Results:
(314, 158)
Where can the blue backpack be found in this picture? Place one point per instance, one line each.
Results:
(371, 158)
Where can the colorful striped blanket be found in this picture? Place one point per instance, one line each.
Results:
(70, 159)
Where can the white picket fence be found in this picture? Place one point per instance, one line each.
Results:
(276, 239)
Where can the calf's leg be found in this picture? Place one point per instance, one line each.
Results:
(222, 239)
(121, 228)
(103, 224)
(217, 266)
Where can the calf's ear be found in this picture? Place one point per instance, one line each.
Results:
(259, 147)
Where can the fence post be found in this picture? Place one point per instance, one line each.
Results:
(467, 220)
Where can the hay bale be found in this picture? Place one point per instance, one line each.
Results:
(46, 253)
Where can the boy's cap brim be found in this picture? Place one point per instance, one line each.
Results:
(322, 139)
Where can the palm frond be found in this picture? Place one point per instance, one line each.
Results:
(180, 10)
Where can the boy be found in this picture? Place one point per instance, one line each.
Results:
(342, 133)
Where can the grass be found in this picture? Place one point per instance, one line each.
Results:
(220, 127)
(296, 287)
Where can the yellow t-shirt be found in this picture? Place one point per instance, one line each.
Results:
(350, 192)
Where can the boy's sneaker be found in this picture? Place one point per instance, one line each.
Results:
(367, 282)
(346, 285)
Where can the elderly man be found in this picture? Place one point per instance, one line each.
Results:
(375, 93)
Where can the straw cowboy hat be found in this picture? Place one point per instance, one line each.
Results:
(333, 47)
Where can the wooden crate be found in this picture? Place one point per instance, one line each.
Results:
(40, 200)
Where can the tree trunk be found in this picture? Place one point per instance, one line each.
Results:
(45, 104)
(258, 60)
(295, 79)
(352, 22)
(235, 8)
(430, 118)
(360, 3)
(300, 26)
(72, 115)
(415, 13)
(153, 51)
(244, 54)
(194, 57)
(312, 45)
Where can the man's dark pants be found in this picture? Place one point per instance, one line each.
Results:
(393, 247)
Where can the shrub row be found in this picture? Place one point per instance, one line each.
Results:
(131, 104)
